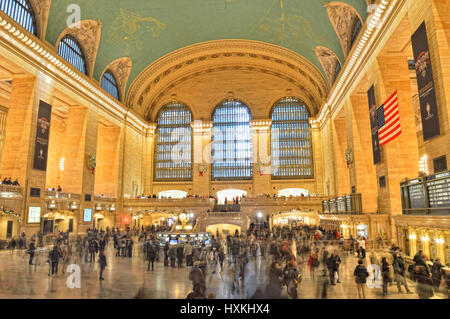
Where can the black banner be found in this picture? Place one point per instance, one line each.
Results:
(42, 136)
(425, 83)
(374, 125)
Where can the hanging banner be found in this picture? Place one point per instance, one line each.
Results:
(42, 136)
(374, 125)
(425, 83)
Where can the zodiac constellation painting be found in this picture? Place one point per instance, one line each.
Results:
(130, 29)
(282, 28)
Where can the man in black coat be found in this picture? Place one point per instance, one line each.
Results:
(31, 251)
(102, 262)
(150, 255)
(55, 254)
(333, 267)
(361, 275)
(180, 256)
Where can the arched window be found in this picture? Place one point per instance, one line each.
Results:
(21, 12)
(109, 84)
(291, 151)
(173, 149)
(232, 142)
(357, 26)
(70, 50)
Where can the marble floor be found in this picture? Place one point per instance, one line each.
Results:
(127, 278)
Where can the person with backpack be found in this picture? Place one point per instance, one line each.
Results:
(54, 257)
(424, 283)
(361, 275)
(151, 254)
(292, 279)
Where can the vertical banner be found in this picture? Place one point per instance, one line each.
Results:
(425, 83)
(374, 125)
(42, 136)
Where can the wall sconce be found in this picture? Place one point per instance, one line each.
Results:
(73, 206)
(440, 241)
(412, 236)
(52, 205)
(425, 238)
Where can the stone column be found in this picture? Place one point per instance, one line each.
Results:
(262, 178)
(19, 144)
(201, 177)
(362, 169)
(149, 159)
(317, 157)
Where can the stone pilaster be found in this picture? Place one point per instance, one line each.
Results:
(261, 156)
(202, 137)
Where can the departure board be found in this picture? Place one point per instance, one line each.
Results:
(341, 205)
(439, 191)
(417, 196)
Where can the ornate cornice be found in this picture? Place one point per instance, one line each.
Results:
(224, 52)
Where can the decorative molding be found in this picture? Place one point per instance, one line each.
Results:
(88, 36)
(329, 60)
(121, 69)
(225, 54)
(342, 17)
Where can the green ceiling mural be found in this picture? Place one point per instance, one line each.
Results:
(146, 30)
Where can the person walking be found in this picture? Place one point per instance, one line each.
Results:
(55, 254)
(173, 256)
(333, 267)
(436, 273)
(180, 255)
(187, 251)
(361, 275)
(197, 276)
(424, 283)
(275, 275)
(386, 275)
(399, 273)
(102, 262)
(151, 254)
(313, 263)
(292, 279)
(31, 251)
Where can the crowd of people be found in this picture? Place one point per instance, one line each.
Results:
(288, 254)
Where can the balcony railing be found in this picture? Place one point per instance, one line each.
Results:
(10, 191)
(61, 195)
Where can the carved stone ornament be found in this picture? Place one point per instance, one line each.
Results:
(41, 9)
(329, 61)
(342, 17)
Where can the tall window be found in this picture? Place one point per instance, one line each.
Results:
(357, 26)
(291, 151)
(232, 142)
(70, 50)
(173, 149)
(21, 12)
(109, 84)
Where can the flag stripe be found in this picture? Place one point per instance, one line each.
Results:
(389, 134)
(390, 139)
(387, 129)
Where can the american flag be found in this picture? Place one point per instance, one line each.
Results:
(388, 120)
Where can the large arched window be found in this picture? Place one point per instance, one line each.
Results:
(291, 151)
(70, 50)
(109, 84)
(21, 12)
(232, 142)
(173, 149)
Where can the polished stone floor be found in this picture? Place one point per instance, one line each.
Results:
(127, 278)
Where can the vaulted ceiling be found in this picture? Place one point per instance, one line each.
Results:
(146, 30)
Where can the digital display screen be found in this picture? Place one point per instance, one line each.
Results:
(87, 215)
(173, 242)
